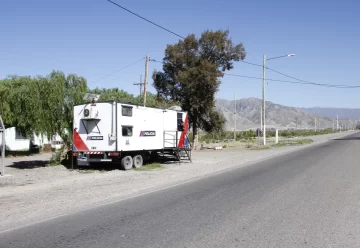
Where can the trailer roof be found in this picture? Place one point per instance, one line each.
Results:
(129, 103)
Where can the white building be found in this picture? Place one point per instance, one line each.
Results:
(16, 142)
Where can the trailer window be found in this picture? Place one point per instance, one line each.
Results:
(126, 110)
(127, 131)
(180, 122)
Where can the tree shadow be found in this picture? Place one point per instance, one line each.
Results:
(20, 153)
(29, 164)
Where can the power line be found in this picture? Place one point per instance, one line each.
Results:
(283, 74)
(153, 60)
(250, 63)
(298, 82)
(117, 70)
(304, 81)
(285, 81)
(146, 19)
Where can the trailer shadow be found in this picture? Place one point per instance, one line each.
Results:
(117, 166)
(29, 164)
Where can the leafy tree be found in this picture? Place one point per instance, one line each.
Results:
(41, 105)
(191, 75)
(214, 122)
(112, 94)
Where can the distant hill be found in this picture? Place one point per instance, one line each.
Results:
(343, 113)
(277, 116)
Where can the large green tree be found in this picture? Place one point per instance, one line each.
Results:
(192, 69)
(41, 105)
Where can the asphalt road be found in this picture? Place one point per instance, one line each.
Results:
(308, 198)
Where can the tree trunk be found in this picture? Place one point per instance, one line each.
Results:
(195, 137)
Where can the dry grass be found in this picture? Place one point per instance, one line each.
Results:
(150, 167)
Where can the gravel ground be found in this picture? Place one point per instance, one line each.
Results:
(34, 192)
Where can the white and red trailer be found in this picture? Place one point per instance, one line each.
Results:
(127, 133)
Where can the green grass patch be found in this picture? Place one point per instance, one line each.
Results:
(150, 167)
(86, 171)
(257, 148)
(53, 163)
(294, 142)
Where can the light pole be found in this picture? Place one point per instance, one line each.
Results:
(263, 92)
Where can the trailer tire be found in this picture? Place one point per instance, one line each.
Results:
(127, 163)
(138, 161)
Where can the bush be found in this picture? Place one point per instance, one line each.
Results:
(57, 156)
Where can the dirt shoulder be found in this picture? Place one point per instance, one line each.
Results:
(36, 193)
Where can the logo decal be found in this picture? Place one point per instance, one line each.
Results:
(147, 133)
(95, 137)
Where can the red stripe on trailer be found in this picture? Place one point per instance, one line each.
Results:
(79, 143)
(183, 133)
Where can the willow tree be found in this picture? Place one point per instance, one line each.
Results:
(41, 105)
(192, 69)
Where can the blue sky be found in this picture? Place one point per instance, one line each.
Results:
(93, 38)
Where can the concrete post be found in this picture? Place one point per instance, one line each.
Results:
(276, 136)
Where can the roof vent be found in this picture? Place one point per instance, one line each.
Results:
(176, 108)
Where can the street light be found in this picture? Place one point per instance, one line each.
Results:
(263, 91)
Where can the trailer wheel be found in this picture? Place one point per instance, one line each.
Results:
(138, 161)
(127, 162)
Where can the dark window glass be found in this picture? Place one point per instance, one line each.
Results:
(127, 131)
(126, 111)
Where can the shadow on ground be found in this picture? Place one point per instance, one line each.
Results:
(348, 138)
(29, 164)
(20, 153)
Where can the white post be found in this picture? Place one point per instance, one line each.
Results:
(276, 136)
(234, 116)
(263, 95)
(2, 128)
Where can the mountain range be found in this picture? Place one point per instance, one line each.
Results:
(248, 111)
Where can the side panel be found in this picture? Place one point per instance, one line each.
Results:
(143, 130)
(94, 134)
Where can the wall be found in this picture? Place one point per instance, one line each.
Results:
(16, 142)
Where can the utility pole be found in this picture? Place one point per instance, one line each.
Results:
(234, 116)
(140, 84)
(337, 122)
(263, 92)
(263, 95)
(261, 119)
(145, 79)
